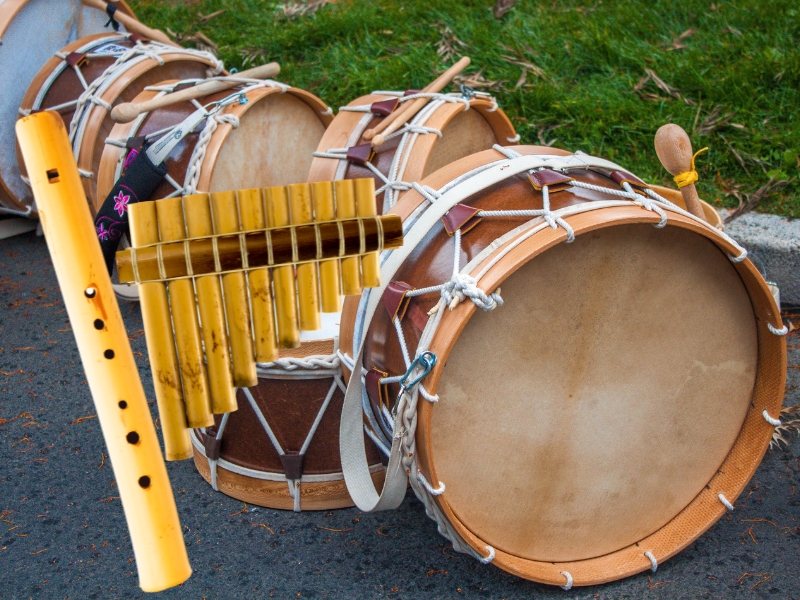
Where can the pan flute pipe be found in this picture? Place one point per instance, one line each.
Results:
(106, 354)
(231, 257)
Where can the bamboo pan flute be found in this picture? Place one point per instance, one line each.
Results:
(238, 278)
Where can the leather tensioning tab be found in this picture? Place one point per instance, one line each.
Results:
(376, 392)
(135, 37)
(417, 316)
(135, 143)
(395, 300)
(76, 59)
(411, 92)
(182, 86)
(461, 217)
(620, 177)
(360, 154)
(555, 181)
(293, 464)
(212, 444)
(383, 108)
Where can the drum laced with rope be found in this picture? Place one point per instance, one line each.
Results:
(448, 127)
(600, 413)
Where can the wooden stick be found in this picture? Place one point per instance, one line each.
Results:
(399, 118)
(131, 24)
(674, 150)
(128, 111)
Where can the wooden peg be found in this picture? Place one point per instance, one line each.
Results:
(128, 111)
(674, 150)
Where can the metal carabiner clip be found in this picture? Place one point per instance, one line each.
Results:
(426, 360)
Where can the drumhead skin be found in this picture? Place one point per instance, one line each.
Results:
(248, 156)
(464, 132)
(289, 396)
(31, 32)
(616, 400)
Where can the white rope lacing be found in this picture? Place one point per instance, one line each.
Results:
(199, 153)
(769, 419)
(567, 587)
(653, 562)
(780, 332)
(725, 502)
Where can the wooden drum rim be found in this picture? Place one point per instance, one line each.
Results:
(733, 473)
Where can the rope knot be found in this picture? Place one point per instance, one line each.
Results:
(689, 177)
(463, 286)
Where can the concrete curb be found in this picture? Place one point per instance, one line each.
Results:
(773, 244)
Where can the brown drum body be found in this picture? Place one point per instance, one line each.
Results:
(596, 423)
(254, 154)
(92, 124)
(248, 465)
(464, 132)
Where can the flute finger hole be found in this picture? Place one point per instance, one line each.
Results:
(144, 481)
(109, 354)
(122, 404)
(132, 437)
(90, 292)
(99, 324)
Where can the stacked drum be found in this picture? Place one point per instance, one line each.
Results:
(538, 360)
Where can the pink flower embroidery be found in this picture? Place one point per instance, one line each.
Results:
(121, 203)
(102, 232)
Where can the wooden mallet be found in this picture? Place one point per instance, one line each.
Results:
(131, 24)
(674, 150)
(128, 111)
(400, 117)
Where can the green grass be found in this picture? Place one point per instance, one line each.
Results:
(584, 62)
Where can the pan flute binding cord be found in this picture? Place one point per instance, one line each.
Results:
(213, 254)
(393, 184)
(464, 285)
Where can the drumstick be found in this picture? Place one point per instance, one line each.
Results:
(128, 111)
(131, 24)
(105, 351)
(674, 150)
(392, 123)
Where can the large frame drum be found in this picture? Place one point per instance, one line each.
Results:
(31, 32)
(598, 414)
(449, 127)
(280, 448)
(244, 145)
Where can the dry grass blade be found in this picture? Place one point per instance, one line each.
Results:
(502, 7)
(448, 45)
(790, 425)
(201, 19)
(199, 39)
(293, 10)
(253, 56)
(712, 121)
(543, 130)
(478, 81)
(661, 85)
(677, 43)
(525, 64)
(753, 199)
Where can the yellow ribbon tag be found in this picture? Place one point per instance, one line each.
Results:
(689, 177)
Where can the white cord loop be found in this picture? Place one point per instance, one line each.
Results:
(725, 502)
(653, 561)
(430, 489)
(770, 420)
(567, 587)
(780, 332)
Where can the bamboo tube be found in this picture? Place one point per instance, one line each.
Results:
(212, 315)
(161, 342)
(184, 317)
(251, 211)
(346, 208)
(307, 293)
(111, 370)
(277, 201)
(324, 210)
(237, 309)
(365, 207)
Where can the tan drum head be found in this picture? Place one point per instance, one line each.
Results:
(614, 382)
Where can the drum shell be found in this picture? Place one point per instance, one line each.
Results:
(81, 21)
(289, 404)
(254, 170)
(474, 130)
(431, 264)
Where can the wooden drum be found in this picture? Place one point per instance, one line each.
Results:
(113, 69)
(449, 127)
(280, 448)
(31, 32)
(244, 145)
(601, 411)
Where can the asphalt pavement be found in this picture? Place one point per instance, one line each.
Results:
(63, 533)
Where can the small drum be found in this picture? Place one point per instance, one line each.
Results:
(449, 127)
(98, 73)
(244, 145)
(280, 448)
(31, 32)
(601, 411)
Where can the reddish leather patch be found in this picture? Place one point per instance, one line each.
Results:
(417, 316)
(182, 86)
(620, 177)
(411, 92)
(293, 464)
(376, 391)
(360, 154)
(394, 299)
(460, 217)
(383, 108)
(74, 59)
(554, 180)
(135, 37)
